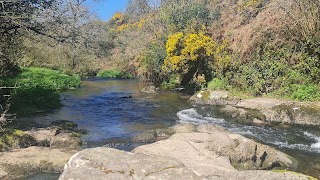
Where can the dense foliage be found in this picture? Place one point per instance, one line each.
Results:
(260, 47)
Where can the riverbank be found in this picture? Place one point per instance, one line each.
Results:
(193, 152)
(261, 111)
(42, 150)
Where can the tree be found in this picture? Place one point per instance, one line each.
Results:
(136, 8)
(16, 19)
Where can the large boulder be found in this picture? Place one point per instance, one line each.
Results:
(216, 153)
(107, 163)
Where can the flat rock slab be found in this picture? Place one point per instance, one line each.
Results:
(21, 162)
(107, 163)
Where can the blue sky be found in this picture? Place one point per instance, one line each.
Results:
(104, 9)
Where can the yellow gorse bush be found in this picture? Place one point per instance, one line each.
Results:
(117, 16)
(195, 47)
(121, 23)
(173, 44)
(130, 26)
(198, 45)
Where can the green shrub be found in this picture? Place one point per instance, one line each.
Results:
(306, 92)
(114, 74)
(169, 85)
(217, 84)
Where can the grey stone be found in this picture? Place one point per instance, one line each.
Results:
(106, 163)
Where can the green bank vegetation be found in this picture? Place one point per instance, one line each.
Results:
(114, 74)
(36, 89)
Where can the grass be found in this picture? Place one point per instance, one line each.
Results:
(37, 89)
(46, 78)
(114, 74)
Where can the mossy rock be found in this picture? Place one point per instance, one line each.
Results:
(255, 114)
(286, 171)
(205, 95)
(65, 125)
(68, 127)
(299, 113)
(15, 139)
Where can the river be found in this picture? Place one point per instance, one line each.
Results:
(112, 111)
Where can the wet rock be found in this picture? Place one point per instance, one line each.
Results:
(23, 162)
(184, 128)
(154, 135)
(127, 97)
(150, 89)
(66, 141)
(145, 137)
(65, 125)
(106, 163)
(164, 133)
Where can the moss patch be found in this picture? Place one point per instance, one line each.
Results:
(286, 171)
(14, 139)
(205, 95)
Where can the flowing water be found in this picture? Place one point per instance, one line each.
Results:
(115, 110)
